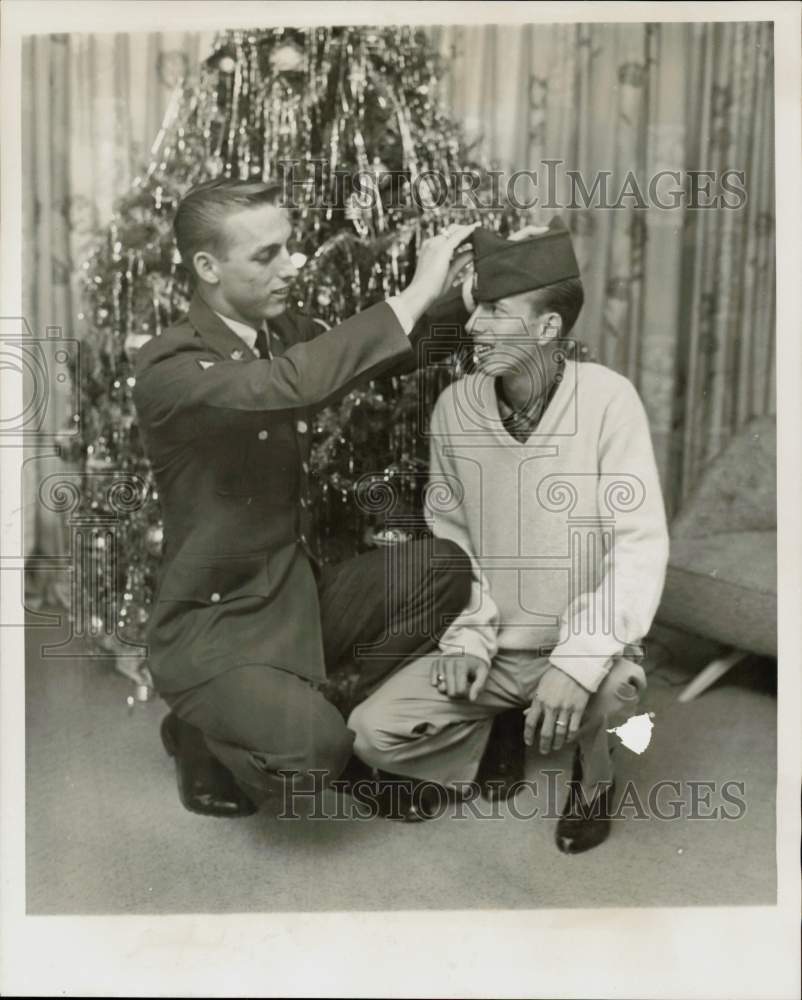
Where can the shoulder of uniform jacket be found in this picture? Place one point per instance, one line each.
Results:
(174, 340)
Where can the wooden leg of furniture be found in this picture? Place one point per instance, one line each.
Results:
(711, 673)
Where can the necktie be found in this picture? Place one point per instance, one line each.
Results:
(262, 344)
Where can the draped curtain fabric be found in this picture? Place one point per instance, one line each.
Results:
(92, 106)
(680, 300)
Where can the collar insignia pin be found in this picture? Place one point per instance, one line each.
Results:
(236, 355)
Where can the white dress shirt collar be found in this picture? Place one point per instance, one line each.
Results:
(242, 330)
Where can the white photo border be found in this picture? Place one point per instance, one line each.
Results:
(667, 952)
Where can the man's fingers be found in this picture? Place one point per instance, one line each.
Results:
(574, 723)
(452, 676)
(547, 730)
(458, 234)
(437, 676)
(459, 261)
(461, 679)
(478, 685)
(560, 729)
(526, 232)
(531, 715)
(451, 681)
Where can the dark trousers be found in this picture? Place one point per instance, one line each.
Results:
(379, 610)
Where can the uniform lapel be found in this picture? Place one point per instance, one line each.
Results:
(214, 333)
(221, 339)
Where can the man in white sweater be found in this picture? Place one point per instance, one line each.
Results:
(542, 469)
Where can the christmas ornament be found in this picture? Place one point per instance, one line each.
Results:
(390, 536)
(287, 58)
(154, 540)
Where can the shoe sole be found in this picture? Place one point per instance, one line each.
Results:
(218, 814)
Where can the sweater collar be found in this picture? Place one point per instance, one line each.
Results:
(495, 414)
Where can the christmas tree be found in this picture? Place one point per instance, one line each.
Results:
(350, 119)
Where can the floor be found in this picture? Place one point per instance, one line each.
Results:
(106, 833)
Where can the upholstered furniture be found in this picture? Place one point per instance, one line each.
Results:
(722, 575)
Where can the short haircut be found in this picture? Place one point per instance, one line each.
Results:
(203, 209)
(565, 298)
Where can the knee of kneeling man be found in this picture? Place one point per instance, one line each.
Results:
(330, 752)
(361, 725)
(371, 741)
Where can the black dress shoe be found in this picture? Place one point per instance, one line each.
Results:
(583, 824)
(205, 786)
(408, 800)
(503, 762)
(391, 796)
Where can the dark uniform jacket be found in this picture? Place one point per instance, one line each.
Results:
(228, 437)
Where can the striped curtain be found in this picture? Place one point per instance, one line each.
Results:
(681, 300)
(92, 106)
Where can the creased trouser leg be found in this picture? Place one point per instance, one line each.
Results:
(616, 700)
(409, 727)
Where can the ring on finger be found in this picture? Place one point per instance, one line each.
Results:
(562, 728)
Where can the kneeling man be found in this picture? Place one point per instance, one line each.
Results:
(542, 469)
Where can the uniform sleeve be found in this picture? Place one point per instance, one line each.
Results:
(438, 333)
(634, 566)
(475, 630)
(185, 395)
(402, 314)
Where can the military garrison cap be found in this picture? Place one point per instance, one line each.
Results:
(506, 267)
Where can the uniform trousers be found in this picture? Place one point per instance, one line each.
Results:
(379, 610)
(409, 727)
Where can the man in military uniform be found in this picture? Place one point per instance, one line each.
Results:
(245, 622)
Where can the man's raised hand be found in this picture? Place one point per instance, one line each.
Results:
(526, 232)
(433, 268)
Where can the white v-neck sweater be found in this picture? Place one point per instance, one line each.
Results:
(567, 531)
